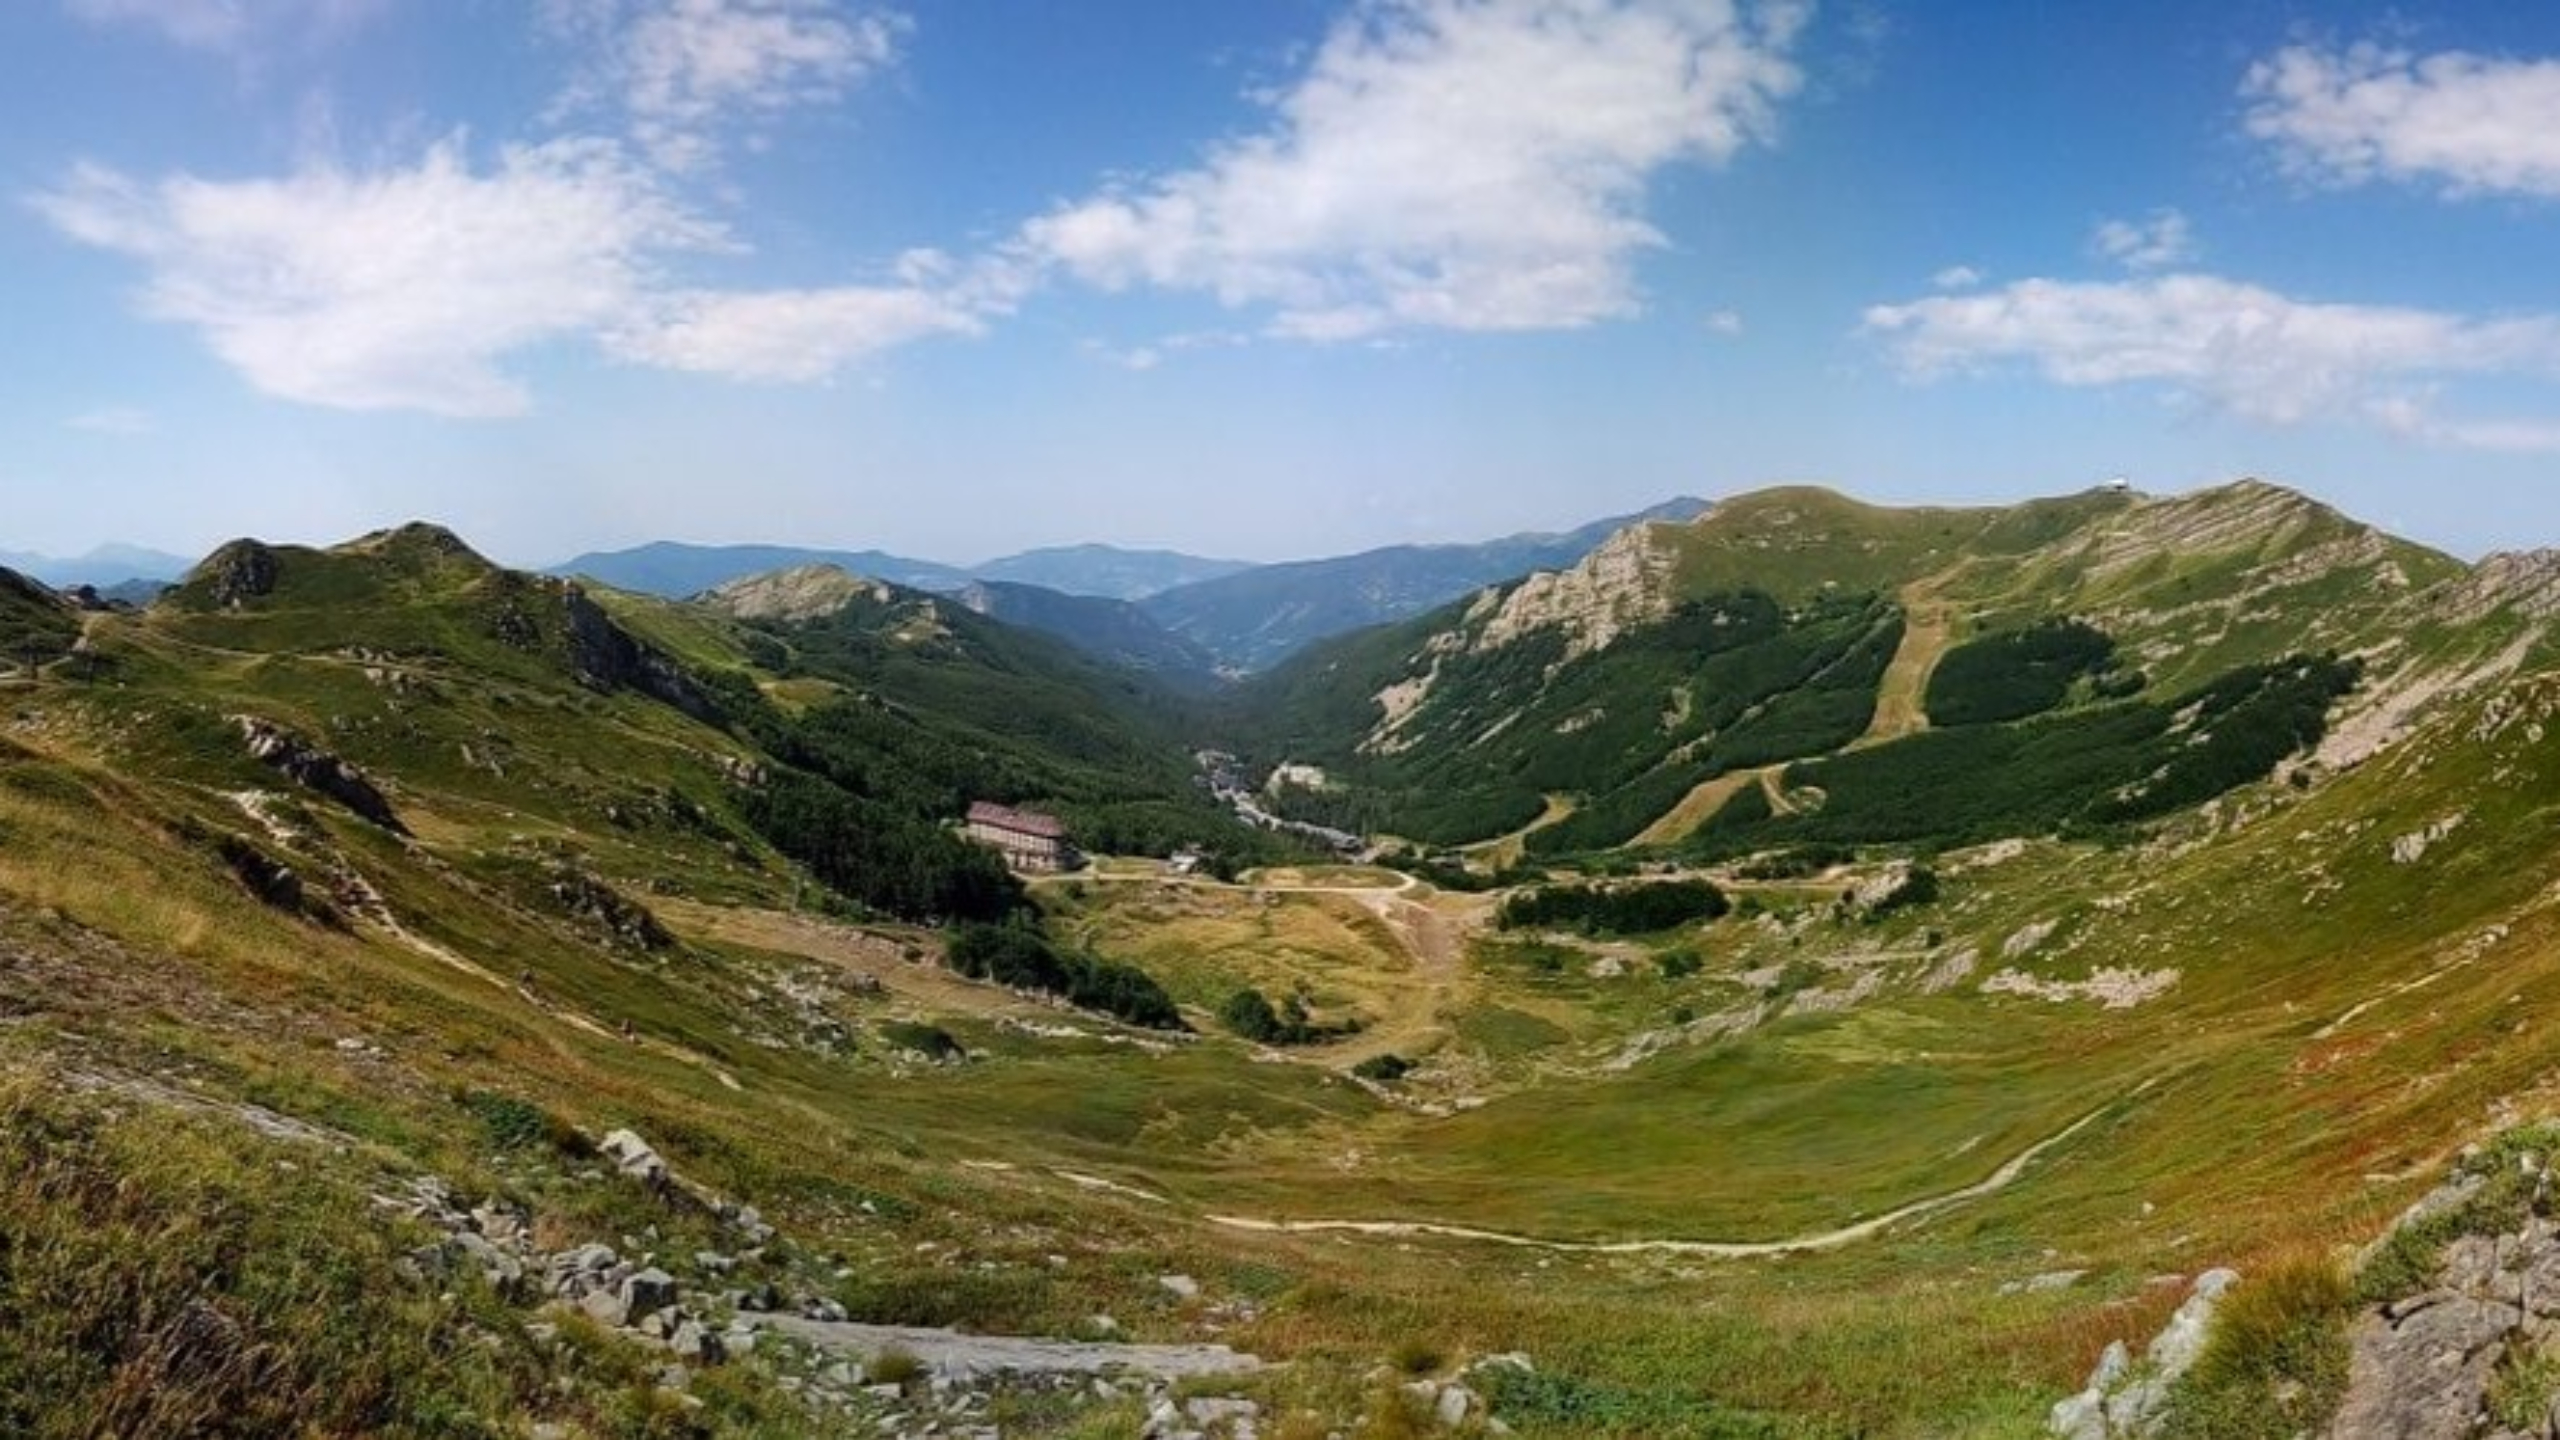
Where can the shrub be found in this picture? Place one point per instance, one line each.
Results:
(1681, 964)
(1614, 910)
(931, 1041)
(1021, 957)
(893, 1366)
(1252, 1016)
(1384, 1069)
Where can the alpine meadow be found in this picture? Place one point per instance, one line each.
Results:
(1203, 770)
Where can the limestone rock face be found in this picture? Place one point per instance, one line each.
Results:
(2422, 1375)
(1616, 588)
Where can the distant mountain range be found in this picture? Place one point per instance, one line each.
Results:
(1174, 614)
(1256, 618)
(108, 567)
(675, 570)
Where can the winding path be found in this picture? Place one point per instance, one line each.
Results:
(1710, 1249)
(948, 1352)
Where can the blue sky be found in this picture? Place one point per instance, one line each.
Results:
(1269, 279)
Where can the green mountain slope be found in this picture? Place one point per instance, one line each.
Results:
(35, 624)
(1676, 655)
(1112, 630)
(351, 897)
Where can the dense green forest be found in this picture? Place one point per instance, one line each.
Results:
(2013, 674)
(1022, 957)
(1640, 909)
(2099, 766)
(1725, 681)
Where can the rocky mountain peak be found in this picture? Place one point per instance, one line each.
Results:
(803, 592)
(1622, 584)
(238, 572)
(417, 542)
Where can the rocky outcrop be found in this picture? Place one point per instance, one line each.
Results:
(2526, 582)
(608, 657)
(801, 593)
(2434, 1364)
(239, 572)
(2249, 515)
(587, 899)
(1618, 587)
(2124, 1398)
(317, 769)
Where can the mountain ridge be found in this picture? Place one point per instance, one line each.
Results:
(1980, 1076)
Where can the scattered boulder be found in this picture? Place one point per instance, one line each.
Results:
(633, 1157)
(647, 1291)
(1180, 1287)
(2124, 1399)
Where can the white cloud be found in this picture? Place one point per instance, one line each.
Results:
(2471, 124)
(2247, 349)
(1956, 277)
(786, 335)
(685, 72)
(226, 25)
(1459, 164)
(397, 289)
(2153, 243)
(1727, 323)
(1140, 358)
(411, 288)
(114, 420)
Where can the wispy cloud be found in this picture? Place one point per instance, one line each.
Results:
(687, 74)
(2155, 242)
(1957, 277)
(1457, 164)
(786, 335)
(228, 25)
(2246, 349)
(2468, 124)
(114, 420)
(1727, 323)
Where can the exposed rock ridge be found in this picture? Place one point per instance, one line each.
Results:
(2526, 582)
(2125, 1398)
(801, 593)
(1616, 588)
(2427, 1366)
(2247, 515)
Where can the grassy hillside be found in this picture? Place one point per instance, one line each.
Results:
(1894, 1144)
(1791, 625)
(34, 622)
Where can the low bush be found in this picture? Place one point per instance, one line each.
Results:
(1614, 910)
(1384, 1069)
(1022, 957)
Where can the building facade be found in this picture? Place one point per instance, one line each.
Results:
(1029, 841)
